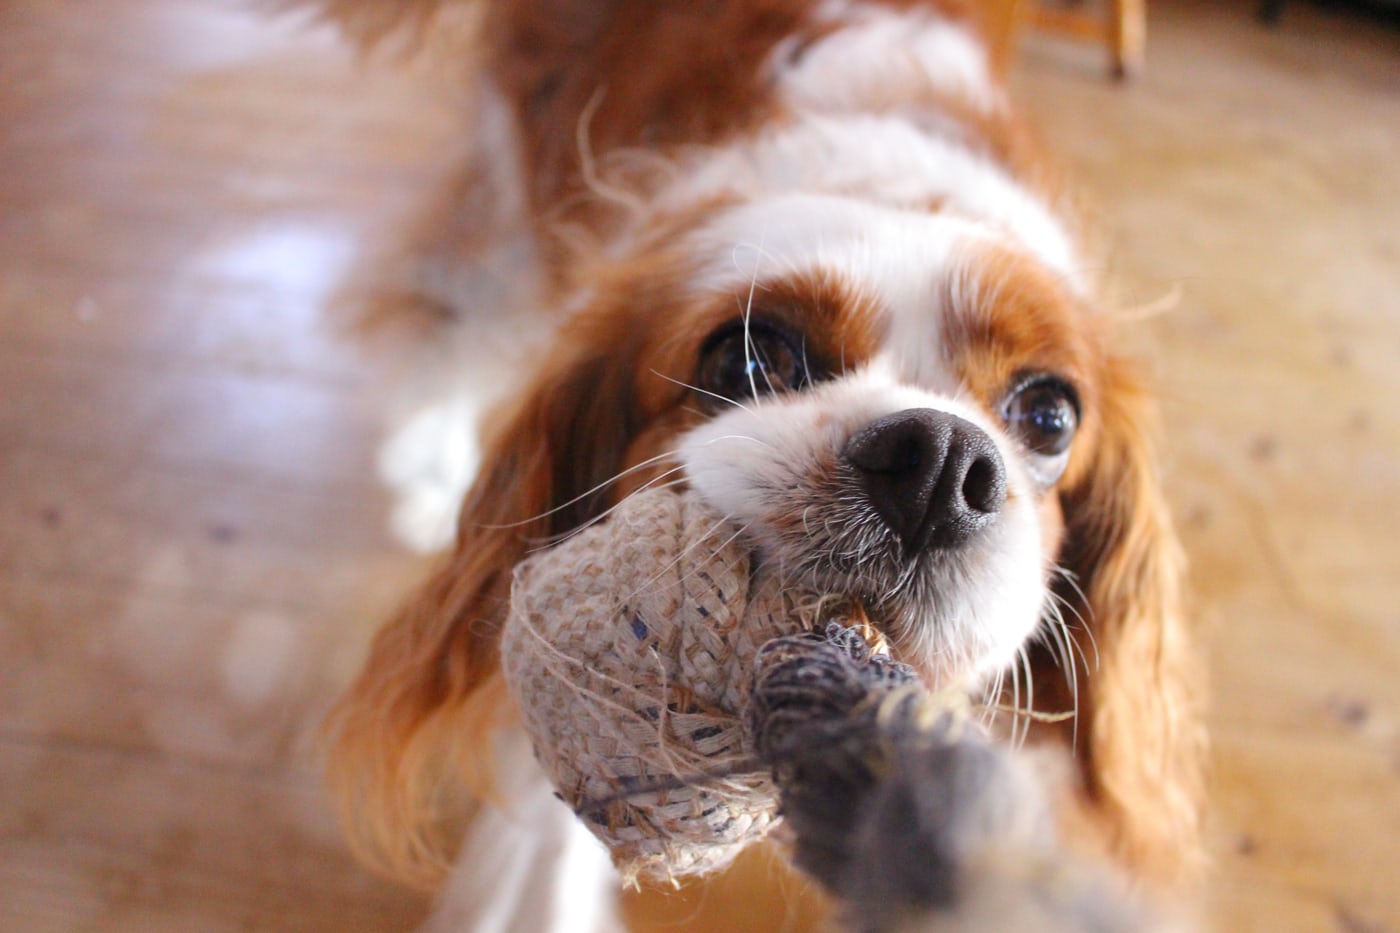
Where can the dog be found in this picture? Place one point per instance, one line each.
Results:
(802, 257)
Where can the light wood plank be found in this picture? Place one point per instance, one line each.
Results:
(98, 839)
(1276, 357)
(173, 413)
(192, 554)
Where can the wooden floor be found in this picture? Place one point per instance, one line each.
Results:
(192, 551)
(1255, 177)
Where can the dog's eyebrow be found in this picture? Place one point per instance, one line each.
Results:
(1007, 314)
(841, 322)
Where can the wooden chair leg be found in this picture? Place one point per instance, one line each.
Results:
(1128, 37)
(1123, 30)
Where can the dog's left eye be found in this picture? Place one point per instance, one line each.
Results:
(1043, 412)
(747, 360)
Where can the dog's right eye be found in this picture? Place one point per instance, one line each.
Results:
(748, 359)
(1043, 411)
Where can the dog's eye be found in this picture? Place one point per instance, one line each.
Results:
(1043, 412)
(743, 361)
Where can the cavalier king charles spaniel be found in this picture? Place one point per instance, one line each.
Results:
(801, 257)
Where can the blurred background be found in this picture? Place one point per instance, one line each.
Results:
(193, 551)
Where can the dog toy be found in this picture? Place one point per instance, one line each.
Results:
(630, 651)
(681, 699)
(907, 811)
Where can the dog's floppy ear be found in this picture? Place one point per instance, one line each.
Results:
(420, 717)
(1144, 746)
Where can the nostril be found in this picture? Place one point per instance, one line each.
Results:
(984, 486)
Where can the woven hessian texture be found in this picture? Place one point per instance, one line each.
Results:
(630, 650)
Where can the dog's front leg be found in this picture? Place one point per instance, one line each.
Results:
(528, 865)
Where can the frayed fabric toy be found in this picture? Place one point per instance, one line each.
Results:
(630, 651)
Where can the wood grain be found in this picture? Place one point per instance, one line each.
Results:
(192, 553)
(192, 544)
(1242, 188)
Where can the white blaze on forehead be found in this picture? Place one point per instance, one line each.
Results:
(883, 160)
(894, 254)
(859, 123)
(875, 48)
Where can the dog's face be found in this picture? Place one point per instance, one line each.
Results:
(886, 402)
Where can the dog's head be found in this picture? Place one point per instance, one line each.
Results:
(901, 407)
(894, 401)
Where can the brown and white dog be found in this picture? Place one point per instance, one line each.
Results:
(800, 256)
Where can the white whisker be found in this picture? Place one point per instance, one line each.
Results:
(700, 539)
(1028, 712)
(715, 395)
(650, 461)
(737, 437)
(1073, 582)
(1060, 635)
(748, 316)
(653, 483)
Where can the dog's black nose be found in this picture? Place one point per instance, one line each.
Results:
(934, 478)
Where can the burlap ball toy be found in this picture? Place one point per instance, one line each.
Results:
(630, 651)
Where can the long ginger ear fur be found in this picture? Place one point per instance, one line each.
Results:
(1143, 699)
(418, 721)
